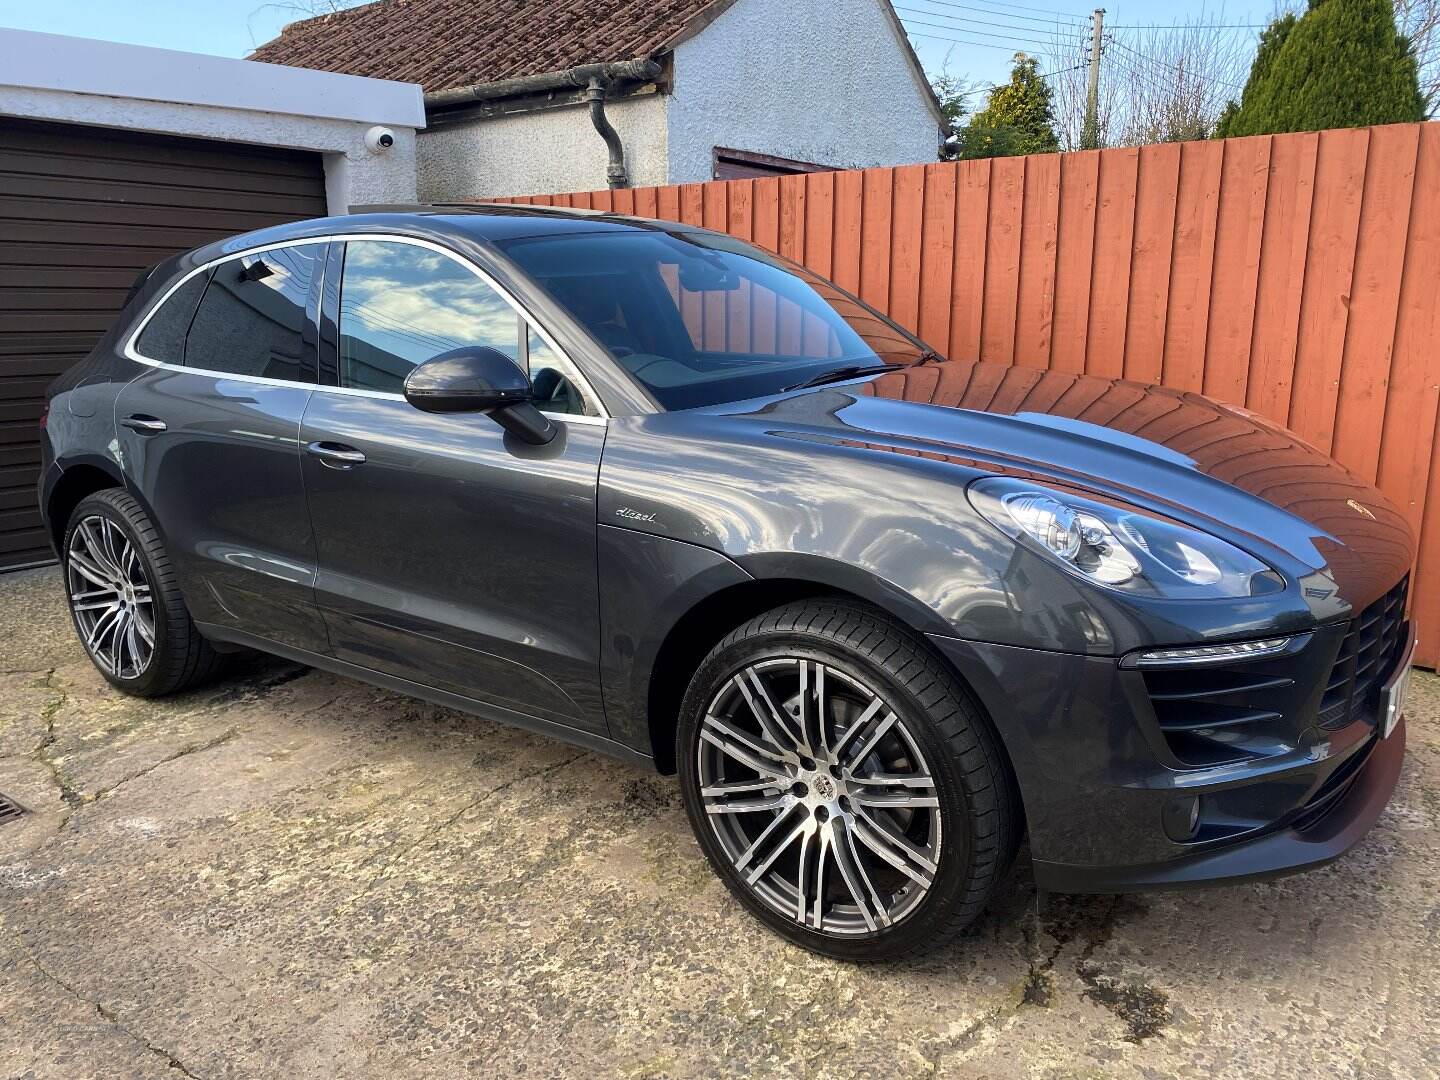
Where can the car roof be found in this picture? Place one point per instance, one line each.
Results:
(483, 222)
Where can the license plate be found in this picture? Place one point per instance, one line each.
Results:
(1392, 694)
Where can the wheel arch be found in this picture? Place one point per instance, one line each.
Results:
(775, 580)
(76, 480)
(691, 638)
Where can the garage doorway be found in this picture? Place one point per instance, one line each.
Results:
(82, 212)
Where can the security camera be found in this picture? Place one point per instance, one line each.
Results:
(379, 139)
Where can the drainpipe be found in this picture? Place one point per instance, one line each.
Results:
(615, 174)
(594, 78)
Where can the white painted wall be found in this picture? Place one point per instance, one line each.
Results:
(826, 81)
(76, 80)
(541, 153)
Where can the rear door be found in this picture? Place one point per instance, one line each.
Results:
(449, 553)
(209, 435)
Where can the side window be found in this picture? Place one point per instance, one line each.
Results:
(252, 320)
(401, 304)
(163, 338)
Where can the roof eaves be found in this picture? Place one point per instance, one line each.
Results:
(916, 68)
(693, 25)
(640, 70)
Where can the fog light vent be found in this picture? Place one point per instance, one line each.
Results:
(1182, 818)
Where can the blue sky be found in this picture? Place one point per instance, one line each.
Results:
(219, 27)
(975, 38)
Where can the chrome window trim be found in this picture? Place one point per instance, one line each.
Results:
(132, 353)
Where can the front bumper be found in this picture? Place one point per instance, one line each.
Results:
(1273, 854)
(1103, 767)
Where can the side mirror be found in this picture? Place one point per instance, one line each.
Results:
(480, 379)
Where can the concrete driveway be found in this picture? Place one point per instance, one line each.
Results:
(289, 874)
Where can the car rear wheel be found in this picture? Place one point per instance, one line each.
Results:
(843, 783)
(124, 602)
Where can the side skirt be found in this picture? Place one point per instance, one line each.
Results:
(590, 741)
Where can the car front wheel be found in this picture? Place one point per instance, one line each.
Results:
(843, 783)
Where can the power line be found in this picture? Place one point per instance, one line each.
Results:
(1150, 79)
(1055, 16)
(968, 21)
(997, 86)
(1166, 64)
(979, 33)
(1027, 7)
(962, 41)
(1188, 26)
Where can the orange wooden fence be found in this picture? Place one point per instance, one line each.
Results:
(1296, 275)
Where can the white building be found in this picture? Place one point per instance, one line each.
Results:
(695, 89)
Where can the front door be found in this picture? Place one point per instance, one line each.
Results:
(449, 553)
(209, 436)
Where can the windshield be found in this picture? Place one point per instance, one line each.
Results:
(700, 318)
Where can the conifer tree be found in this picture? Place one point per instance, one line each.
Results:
(1343, 63)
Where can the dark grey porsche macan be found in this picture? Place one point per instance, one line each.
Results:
(648, 489)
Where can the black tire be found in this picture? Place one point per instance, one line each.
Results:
(180, 658)
(977, 805)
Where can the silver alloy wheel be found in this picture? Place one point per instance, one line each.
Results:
(110, 597)
(819, 796)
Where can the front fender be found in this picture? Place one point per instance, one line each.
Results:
(845, 577)
(647, 585)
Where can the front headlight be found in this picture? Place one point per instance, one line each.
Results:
(1121, 547)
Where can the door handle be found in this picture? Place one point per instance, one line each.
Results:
(336, 455)
(143, 425)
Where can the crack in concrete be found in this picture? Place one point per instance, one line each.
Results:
(430, 831)
(73, 797)
(968, 1037)
(185, 751)
(313, 709)
(112, 1018)
(256, 685)
(68, 794)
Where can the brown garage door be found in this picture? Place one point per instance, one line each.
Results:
(82, 212)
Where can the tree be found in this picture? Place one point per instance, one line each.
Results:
(1271, 38)
(1174, 80)
(1343, 63)
(1419, 20)
(951, 91)
(1019, 118)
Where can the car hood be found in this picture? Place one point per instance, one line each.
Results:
(1218, 467)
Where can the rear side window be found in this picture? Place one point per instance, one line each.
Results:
(163, 338)
(252, 320)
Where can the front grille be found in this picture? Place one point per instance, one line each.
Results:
(1217, 714)
(1367, 656)
(1213, 715)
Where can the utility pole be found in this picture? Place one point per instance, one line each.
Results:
(1090, 132)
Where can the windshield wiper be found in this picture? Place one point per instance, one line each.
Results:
(840, 374)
